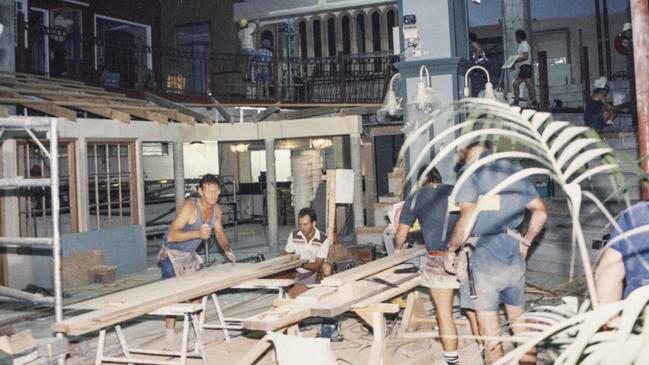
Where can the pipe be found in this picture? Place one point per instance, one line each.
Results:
(640, 20)
(598, 22)
(271, 195)
(488, 90)
(607, 41)
(10, 294)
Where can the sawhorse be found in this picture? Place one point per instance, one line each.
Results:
(190, 312)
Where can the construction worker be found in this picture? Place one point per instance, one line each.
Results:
(194, 223)
(430, 210)
(496, 274)
(599, 112)
(310, 244)
(624, 265)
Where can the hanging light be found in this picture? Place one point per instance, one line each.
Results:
(423, 103)
(240, 147)
(391, 104)
(320, 143)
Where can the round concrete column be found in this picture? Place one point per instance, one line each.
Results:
(271, 194)
(357, 205)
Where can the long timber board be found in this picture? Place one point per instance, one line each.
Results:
(128, 304)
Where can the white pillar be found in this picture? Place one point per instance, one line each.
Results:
(515, 15)
(20, 268)
(139, 170)
(83, 202)
(271, 194)
(357, 205)
(179, 174)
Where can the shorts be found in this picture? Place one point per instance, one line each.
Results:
(308, 278)
(166, 269)
(495, 283)
(597, 122)
(433, 275)
(525, 71)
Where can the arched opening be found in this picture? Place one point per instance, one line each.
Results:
(303, 42)
(331, 36)
(376, 32)
(317, 39)
(392, 22)
(346, 33)
(360, 33)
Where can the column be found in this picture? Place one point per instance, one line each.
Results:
(640, 19)
(370, 180)
(357, 205)
(83, 202)
(515, 15)
(271, 194)
(179, 174)
(139, 177)
(20, 267)
(7, 57)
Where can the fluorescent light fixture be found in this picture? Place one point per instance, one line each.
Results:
(241, 147)
(320, 143)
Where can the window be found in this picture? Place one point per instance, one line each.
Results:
(303, 40)
(122, 47)
(111, 184)
(392, 22)
(193, 45)
(317, 39)
(34, 204)
(155, 149)
(331, 36)
(376, 32)
(360, 33)
(347, 47)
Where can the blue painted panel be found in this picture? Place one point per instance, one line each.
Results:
(124, 247)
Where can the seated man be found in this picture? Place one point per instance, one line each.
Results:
(623, 266)
(310, 244)
(599, 112)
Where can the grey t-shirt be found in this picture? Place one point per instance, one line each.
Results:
(430, 208)
(494, 243)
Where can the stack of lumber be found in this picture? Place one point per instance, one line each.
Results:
(355, 288)
(128, 304)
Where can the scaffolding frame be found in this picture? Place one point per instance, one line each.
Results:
(50, 126)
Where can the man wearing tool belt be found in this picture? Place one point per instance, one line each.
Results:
(496, 272)
(310, 244)
(194, 223)
(430, 209)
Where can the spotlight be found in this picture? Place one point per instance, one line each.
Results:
(476, 1)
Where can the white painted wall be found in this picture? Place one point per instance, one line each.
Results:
(282, 164)
(199, 159)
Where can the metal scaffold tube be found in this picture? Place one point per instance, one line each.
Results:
(56, 233)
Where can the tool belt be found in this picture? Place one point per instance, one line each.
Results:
(183, 262)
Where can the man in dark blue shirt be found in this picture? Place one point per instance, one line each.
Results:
(430, 208)
(624, 265)
(498, 261)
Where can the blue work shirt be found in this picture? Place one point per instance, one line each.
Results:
(635, 250)
(431, 204)
(495, 243)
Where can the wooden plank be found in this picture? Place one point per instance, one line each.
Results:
(11, 97)
(307, 113)
(143, 114)
(265, 114)
(181, 108)
(144, 299)
(4, 112)
(178, 116)
(265, 283)
(363, 110)
(98, 110)
(390, 293)
(373, 267)
(221, 110)
(255, 352)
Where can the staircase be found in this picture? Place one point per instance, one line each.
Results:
(553, 253)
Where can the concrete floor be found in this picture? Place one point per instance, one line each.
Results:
(149, 332)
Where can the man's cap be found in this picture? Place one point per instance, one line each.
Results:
(600, 83)
(627, 26)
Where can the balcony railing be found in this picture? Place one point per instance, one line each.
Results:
(197, 72)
